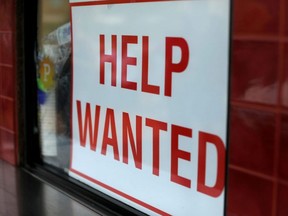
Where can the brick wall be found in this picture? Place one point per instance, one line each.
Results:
(8, 133)
(258, 165)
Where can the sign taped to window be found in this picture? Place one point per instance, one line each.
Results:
(150, 100)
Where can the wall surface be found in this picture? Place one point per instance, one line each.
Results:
(258, 164)
(8, 133)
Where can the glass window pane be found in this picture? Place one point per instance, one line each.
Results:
(53, 80)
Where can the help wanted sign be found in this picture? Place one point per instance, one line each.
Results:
(149, 105)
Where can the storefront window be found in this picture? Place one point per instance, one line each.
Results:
(53, 81)
(134, 121)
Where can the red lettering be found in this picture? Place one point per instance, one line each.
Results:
(171, 67)
(216, 190)
(108, 58)
(110, 123)
(156, 126)
(126, 60)
(176, 153)
(128, 134)
(133, 137)
(93, 134)
(146, 87)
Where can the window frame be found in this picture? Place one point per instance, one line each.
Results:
(28, 129)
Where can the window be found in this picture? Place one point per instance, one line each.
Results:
(144, 83)
(53, 81)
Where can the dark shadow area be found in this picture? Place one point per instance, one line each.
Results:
(22, 194)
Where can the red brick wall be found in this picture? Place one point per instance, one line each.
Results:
(8, 133)
(258, 165)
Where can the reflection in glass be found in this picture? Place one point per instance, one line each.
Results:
(53, 81)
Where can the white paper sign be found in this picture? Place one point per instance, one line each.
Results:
(150, 94)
